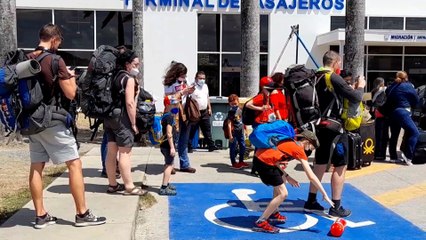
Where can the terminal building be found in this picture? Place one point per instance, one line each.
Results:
(205, 35)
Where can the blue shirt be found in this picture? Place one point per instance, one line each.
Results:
(402, 95)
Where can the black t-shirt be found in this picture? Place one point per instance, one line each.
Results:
(168, 119)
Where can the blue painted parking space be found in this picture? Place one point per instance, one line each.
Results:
(228, 211)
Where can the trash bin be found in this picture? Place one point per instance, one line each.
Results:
(220, 109)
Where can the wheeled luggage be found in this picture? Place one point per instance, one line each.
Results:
(368, 142)
(354, 151)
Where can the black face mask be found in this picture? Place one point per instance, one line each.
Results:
(308, 152)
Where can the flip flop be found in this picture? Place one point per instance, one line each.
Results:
(118, 189)
(136, 191)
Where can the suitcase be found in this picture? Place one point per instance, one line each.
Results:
(420, 151)
(354, 151)
(367, 132)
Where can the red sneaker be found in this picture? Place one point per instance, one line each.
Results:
(264, 226)
(277, 218)
(243, 164)
(236, 166)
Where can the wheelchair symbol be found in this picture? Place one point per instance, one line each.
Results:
(243, 196)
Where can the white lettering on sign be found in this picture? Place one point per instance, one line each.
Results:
(405, 38)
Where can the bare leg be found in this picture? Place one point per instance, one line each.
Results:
(111, 163)
(36, 187)
(125, 166)
(282, 193)
(319, 170)
(76, 183)
(167, 173)
(337, 182)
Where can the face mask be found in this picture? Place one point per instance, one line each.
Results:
(174, 110)
(134, 72)
(234, 108)
(201, 82)
(308, 152)
(338, 71)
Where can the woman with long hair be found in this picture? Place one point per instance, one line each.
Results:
(402, 97)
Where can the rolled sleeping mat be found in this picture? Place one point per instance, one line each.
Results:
(27, 68)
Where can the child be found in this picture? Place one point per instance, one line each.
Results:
(167, 146)
(270, 164)
(236, 132)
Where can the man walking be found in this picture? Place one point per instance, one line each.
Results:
(56, 142)
(201, 95)
(334, 144)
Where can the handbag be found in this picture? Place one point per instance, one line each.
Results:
(192, 110)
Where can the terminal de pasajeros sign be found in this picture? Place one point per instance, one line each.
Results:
(264, 4)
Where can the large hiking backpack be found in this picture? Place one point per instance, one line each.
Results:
(21, 96)
(96, 98)
(268, 135)
(145, 111)
(300, 86)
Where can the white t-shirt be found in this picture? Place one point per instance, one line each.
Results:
(174, 88)
(201, 94)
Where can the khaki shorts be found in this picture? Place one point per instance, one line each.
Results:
(56, 143)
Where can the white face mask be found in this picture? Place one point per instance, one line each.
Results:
(201, 82)
(134, 72)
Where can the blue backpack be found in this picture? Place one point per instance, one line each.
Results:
(268, 135)
(156, 133)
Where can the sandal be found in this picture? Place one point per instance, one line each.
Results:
(135, 191)
(119, 188)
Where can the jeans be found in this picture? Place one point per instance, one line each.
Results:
(183, 144)
(402, 118)
(382, 137)
(238, 139)
(104, 150)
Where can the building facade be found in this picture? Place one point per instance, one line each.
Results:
(205, 35)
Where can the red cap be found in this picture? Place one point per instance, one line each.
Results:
(166, 101)
(266, 82)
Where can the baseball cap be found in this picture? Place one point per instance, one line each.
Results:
(266, 82)
(310, 136)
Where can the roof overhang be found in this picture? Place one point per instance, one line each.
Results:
(377, 37)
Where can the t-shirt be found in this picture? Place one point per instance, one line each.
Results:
(235, 117)
(261, 116)
(279, 102)
(201, 95)
(174, 88)
(168, 119)
(286, 150)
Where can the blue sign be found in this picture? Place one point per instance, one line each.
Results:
(264, 4)
(228, 211)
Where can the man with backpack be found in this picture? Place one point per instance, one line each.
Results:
(56, 142)
(334, 140)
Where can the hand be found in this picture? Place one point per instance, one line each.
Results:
(71, 72)
(361, 82)
(293, 182)
(191, 89)
(172, 152)
(265, 107)
(231, 139)
(209, 111)
(327, 199)
(135, 129)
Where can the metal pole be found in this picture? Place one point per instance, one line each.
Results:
(297, 45)
(306, 49)
(282, 51)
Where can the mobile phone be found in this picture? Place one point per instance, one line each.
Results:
(73, 67)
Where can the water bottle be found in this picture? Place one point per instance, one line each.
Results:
(338, 227)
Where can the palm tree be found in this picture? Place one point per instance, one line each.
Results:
(354, 39)
(250, 25)
(8, 41)
(138, 33)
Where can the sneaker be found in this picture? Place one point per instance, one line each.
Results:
(190, 150)
(340, 212)
(170, 186)
(188, 170)
(236, 166)
(264, 226)
(167, 191)
(244, 165)
(42, 222)
(213, 148)
(104, 174)
(313, 207)
(88, 220)
(277, 218)
(405, 160)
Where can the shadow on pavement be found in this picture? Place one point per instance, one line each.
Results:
(65, 189)
(225, 168)
(26, 218)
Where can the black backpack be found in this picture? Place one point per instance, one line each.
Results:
(145, 111)
(96, 100)
(21, 96)
(248, 115)
(300, 83)
(419, 112)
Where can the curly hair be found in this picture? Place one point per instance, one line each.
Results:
(175, 70)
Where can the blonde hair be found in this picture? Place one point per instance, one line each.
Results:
(401, 76)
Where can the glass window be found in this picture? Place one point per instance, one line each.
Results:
(231, 70)
(114, 28)
(263, 66)
(385, 63)
(386, 23)
(264, 23)
(388, 76)
(209, 63)
(29, 22)
(415, 23)
(77, 28)
(76, 58)
(335, 48)
(231, 31)
(416, 69)
(337, 22)
(415, 50)
(208, 32)
(384, 50)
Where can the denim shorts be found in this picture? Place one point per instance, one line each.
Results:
(167, 158)
(56, 143)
